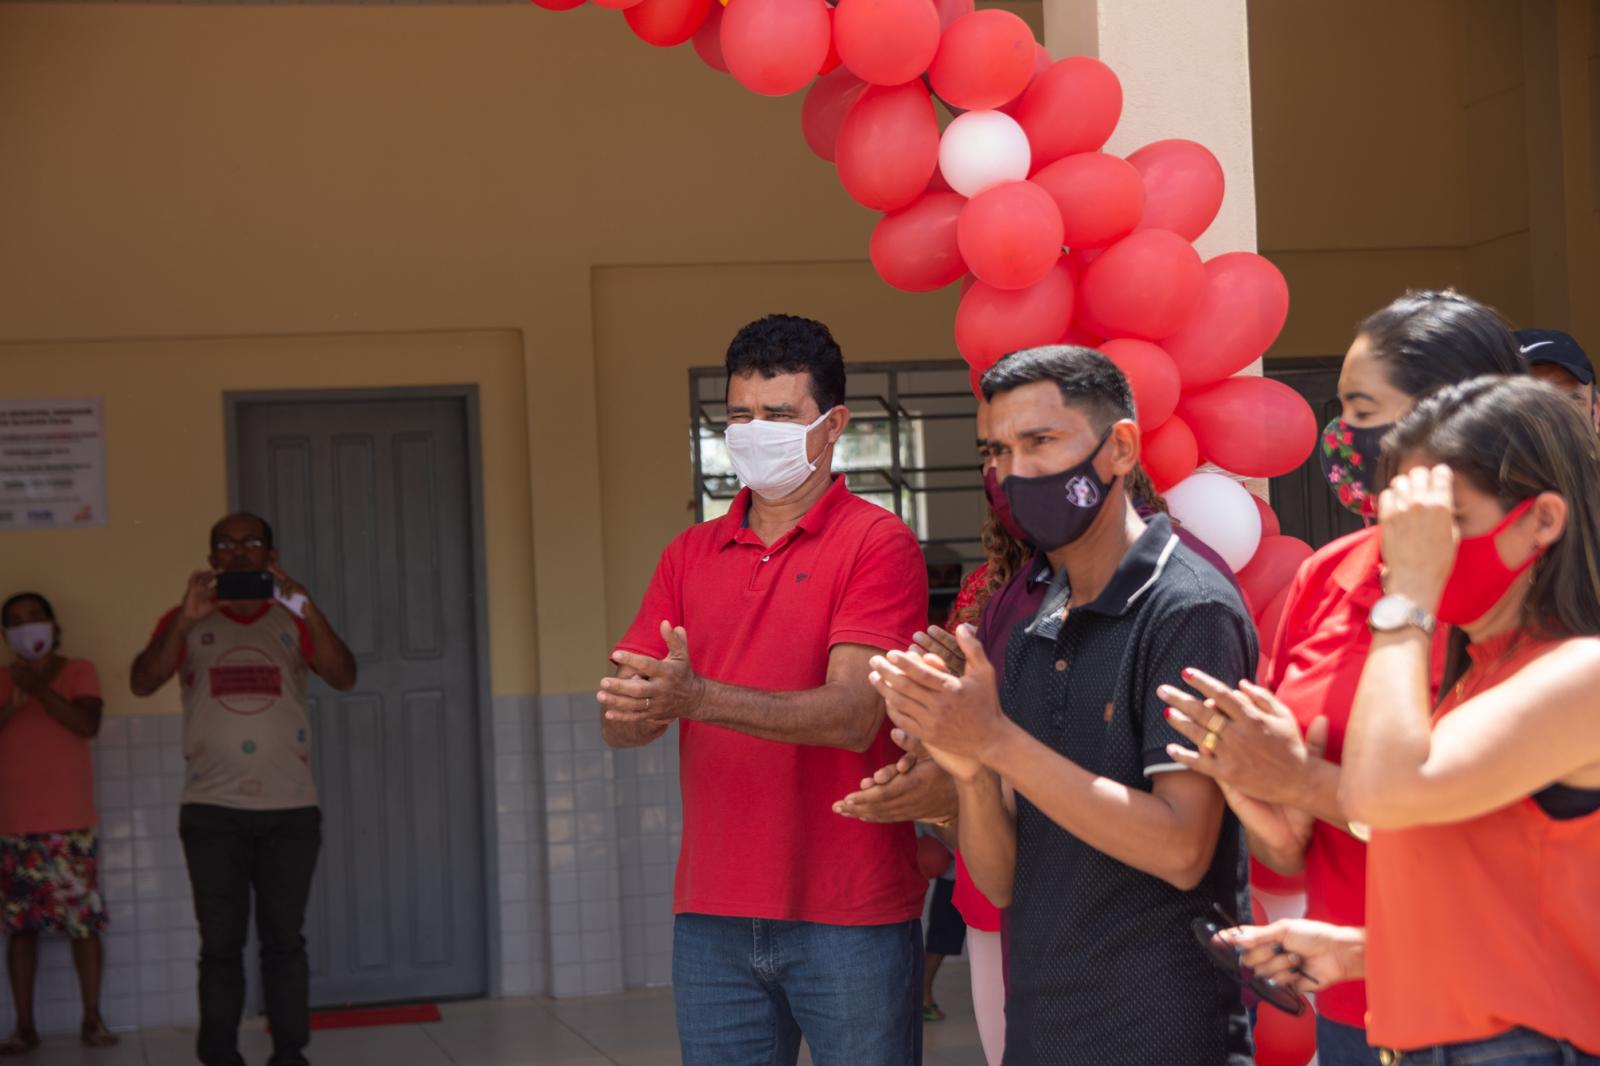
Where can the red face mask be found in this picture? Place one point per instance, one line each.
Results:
(1000, 505)
(1480, 577)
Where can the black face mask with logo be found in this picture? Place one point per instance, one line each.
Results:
(1056, 509)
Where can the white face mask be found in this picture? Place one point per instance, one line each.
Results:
(32, 640)
(770, 457)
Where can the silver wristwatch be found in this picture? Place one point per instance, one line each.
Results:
(1394, 613)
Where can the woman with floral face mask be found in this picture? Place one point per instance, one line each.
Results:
(1482, 942)
(1275, 747)
(49, 711)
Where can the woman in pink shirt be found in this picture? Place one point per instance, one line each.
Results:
(49, 711)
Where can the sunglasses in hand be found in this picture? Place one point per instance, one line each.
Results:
(1226, 957)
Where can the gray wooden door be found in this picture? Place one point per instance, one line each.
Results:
(370, 501)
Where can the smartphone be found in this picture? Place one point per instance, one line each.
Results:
(245, 585)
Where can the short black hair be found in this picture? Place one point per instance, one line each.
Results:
(789, 344)
(1426, 340)
(266, 527)
(23, 597)
(1088, 380)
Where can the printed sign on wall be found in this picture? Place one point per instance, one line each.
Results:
(52, 463)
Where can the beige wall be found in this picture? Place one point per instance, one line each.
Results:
(1424, 144)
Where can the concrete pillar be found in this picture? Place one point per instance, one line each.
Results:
(1185, 70)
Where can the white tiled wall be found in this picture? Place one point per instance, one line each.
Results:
(584, 843)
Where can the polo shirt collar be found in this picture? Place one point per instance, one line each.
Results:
(1362, 565)
(733, 528)
(1139, 569)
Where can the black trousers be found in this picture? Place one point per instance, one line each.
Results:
(230, 853)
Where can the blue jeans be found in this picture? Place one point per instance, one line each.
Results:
(1519, 1047)
(746, 989)
(1343, 1045)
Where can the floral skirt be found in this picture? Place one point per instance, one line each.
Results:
(50, 881)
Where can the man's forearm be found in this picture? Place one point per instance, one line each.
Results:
(833, 716)
(630, 734)
(157, 663)
(331, 658)
(1319, 794)
(987, 834)
(1133, 826)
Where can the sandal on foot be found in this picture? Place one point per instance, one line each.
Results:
(95, 1034)
(932, 1013)
(20, 1044)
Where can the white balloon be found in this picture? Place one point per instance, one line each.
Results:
(1219, 511)
(981, 149)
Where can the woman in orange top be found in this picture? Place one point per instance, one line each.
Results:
(49, 711)
(1482, 942)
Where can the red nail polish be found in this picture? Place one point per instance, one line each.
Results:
(1169, 712)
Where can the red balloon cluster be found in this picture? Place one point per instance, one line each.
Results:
(1054, 239)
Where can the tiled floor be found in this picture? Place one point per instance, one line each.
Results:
(635, 1029)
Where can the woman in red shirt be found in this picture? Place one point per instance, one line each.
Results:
(49, 711)
(1483, 938)
(1263, 741)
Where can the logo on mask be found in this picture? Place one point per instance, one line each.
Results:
(1083, 492)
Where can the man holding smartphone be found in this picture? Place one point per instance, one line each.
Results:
(241, 640)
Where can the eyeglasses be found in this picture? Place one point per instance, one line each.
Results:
(223, 544)
(1226, 958)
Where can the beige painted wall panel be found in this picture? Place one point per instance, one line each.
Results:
(1501, 273)
(1359, 134)
(1495, 170)
(1345, 287)
(1492, 38)
(167, 477)
(652, 324)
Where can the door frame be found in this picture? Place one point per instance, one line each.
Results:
(467, 394)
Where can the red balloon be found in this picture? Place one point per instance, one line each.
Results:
(774, 47)
(1100, 197)
(827, 102)
(1070, 108)
(1268, 617)
(992, 323)
(886, 42)
(559, 5)
(1144, 286)
(1283, 1039)
(975, 379)
(1183, 186)
(950, 10)
(933, 858)
(1150, 374)
(1010, 234)
(708, 39)
(1270, 526)
(1041, 63)
(1169, 453)
(888, 145)
(831, 63)
(1077, 334)
(1253, 427)
(916, 249)
(1272, 567)
(667, 23)
(1240, 314)
(618, 5)
(984, 60)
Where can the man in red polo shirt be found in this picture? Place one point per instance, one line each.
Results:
(755, 634)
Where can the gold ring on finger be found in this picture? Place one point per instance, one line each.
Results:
(1208, 744)
(1217, 724)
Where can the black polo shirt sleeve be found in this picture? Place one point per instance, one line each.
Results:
(1208, 635)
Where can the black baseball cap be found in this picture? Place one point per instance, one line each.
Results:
(1557, 349)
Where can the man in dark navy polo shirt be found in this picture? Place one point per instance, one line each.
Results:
(1071, 812)
(754, 635)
